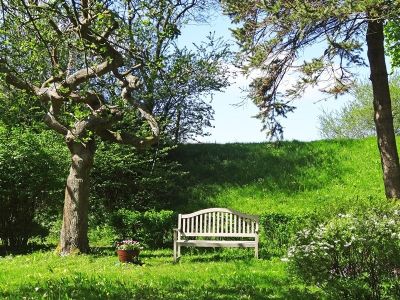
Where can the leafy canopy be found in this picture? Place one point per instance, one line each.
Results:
(101, 68)
(355, 119)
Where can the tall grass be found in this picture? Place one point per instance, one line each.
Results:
(289, 177)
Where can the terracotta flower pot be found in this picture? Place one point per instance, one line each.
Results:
(126, 256)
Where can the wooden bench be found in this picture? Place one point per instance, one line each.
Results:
(216, 227)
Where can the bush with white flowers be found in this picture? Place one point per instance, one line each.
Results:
(354, 256)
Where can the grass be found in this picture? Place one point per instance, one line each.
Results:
(293, 178)
(210, 275)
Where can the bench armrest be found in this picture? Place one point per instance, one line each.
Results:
(179, 231)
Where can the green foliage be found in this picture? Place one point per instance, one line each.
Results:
(100, 235)
(124, 178)
(273, 35)
(140, 37)
(290, 180)
(355, 119)
(353, 256)
(392, 34)
(278, 230)
(32, 180)
(30, 190)
(152, 228)
(180, 85)
(18, 109)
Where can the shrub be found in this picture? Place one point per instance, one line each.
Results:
(279, 229)
(152, 228)
(28, 183)
(353, 256)
(138, 181)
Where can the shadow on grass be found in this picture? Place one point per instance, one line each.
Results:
(102, 251)
(216, 255)
(30, 248)
(110, 251)
(152, 254)
(188, 254)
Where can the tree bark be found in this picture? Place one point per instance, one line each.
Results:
(383, 110)
(74, 229)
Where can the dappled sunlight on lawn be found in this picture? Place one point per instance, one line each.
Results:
(199, 275)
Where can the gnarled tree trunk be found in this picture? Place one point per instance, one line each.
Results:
(383, 110)
(76, 204)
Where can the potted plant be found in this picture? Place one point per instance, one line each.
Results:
(128, 250)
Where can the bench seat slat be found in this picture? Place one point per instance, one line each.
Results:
(251, 235)
(206, 243)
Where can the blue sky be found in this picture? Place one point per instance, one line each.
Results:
(237, 123)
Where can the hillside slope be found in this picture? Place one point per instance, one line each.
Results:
(290, 177)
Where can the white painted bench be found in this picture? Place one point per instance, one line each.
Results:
(231, 228)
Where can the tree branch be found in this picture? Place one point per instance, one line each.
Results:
(127, 139)
(100, 119)
(126, 95)
(85, 74)
(92, 99)
(53, 123)
(15, 81)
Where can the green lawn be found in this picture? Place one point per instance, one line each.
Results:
(228, 274)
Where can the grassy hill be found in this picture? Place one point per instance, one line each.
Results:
(290, 177)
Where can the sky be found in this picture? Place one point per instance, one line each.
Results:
(235, 123)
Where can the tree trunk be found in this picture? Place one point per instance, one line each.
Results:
(76, 203)
(383, 110)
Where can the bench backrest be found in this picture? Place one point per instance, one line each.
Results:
(218, 222)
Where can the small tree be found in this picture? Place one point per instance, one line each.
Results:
(355, 119)
(273, 34)
(392, 34)
(86, 63)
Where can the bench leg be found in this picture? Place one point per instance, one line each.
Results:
(175, 252)
(256, 248)
(177, 248)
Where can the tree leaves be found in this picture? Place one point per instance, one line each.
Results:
(274, 34)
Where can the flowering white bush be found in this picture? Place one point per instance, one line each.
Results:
(353, 256)
(129, 245)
